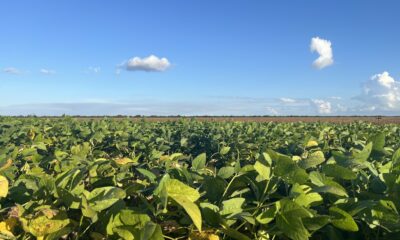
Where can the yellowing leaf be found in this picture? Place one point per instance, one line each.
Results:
(7, 226)
(311, 144)
(7, 165)
(124, 161)
(203, 236)
(42, 225)
(3, 186)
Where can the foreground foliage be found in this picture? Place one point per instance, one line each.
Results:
(118, 179)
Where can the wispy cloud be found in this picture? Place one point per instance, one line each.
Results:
(151, 63)
(47, 71)
(95, 70)
(11, 70)
(287, 100)
(211, 106)
(324, 49)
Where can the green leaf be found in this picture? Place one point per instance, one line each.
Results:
(396, 160)
(87, 211)
(262, 170)
(234, 233)
(226, 172)
(316, 223)
(151, 176)
(185, 196)
(232, 206)
(362, 156)
(210, 214)
(289, 207)
(224, 150)
(292, 227)
(176, 188)
(339, 172)
(286, 168)
(313, 160)
(104, 197)
(378, 142)
(151, 231)
(267, 216)
(199, 162)
(326, 185)
(192, 210)
(132, 218)
(303, 196)
(343, 220)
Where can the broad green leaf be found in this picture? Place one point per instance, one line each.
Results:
(292, 227)
(151, 176)
(286, 206)
(151, 231)
(363, 155)
(232, 206)
(191, 208)
(224, 150)
(396, 160)
(316, 223)
(234, 234)
(210, 214)
(104, 197)
(343, 220)
(267, 216)
(262, 170)
(176, 188)
(132, 218)
(286, 168)
(313, 160)
(378, 142)
(333, 188)
(214, 188)
(185, 196)
(226, 172)
(199, 162)
(303, 196)
(326, 185)
(338, 172)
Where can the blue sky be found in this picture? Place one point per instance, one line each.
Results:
(199, 57)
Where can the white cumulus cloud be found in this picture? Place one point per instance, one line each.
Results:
(151, 63)
(11, 70)
(47, 71)
(323, 107)
(381, 92)
(324, 49)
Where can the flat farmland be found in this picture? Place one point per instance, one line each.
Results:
(282, 119)
(215, 178)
